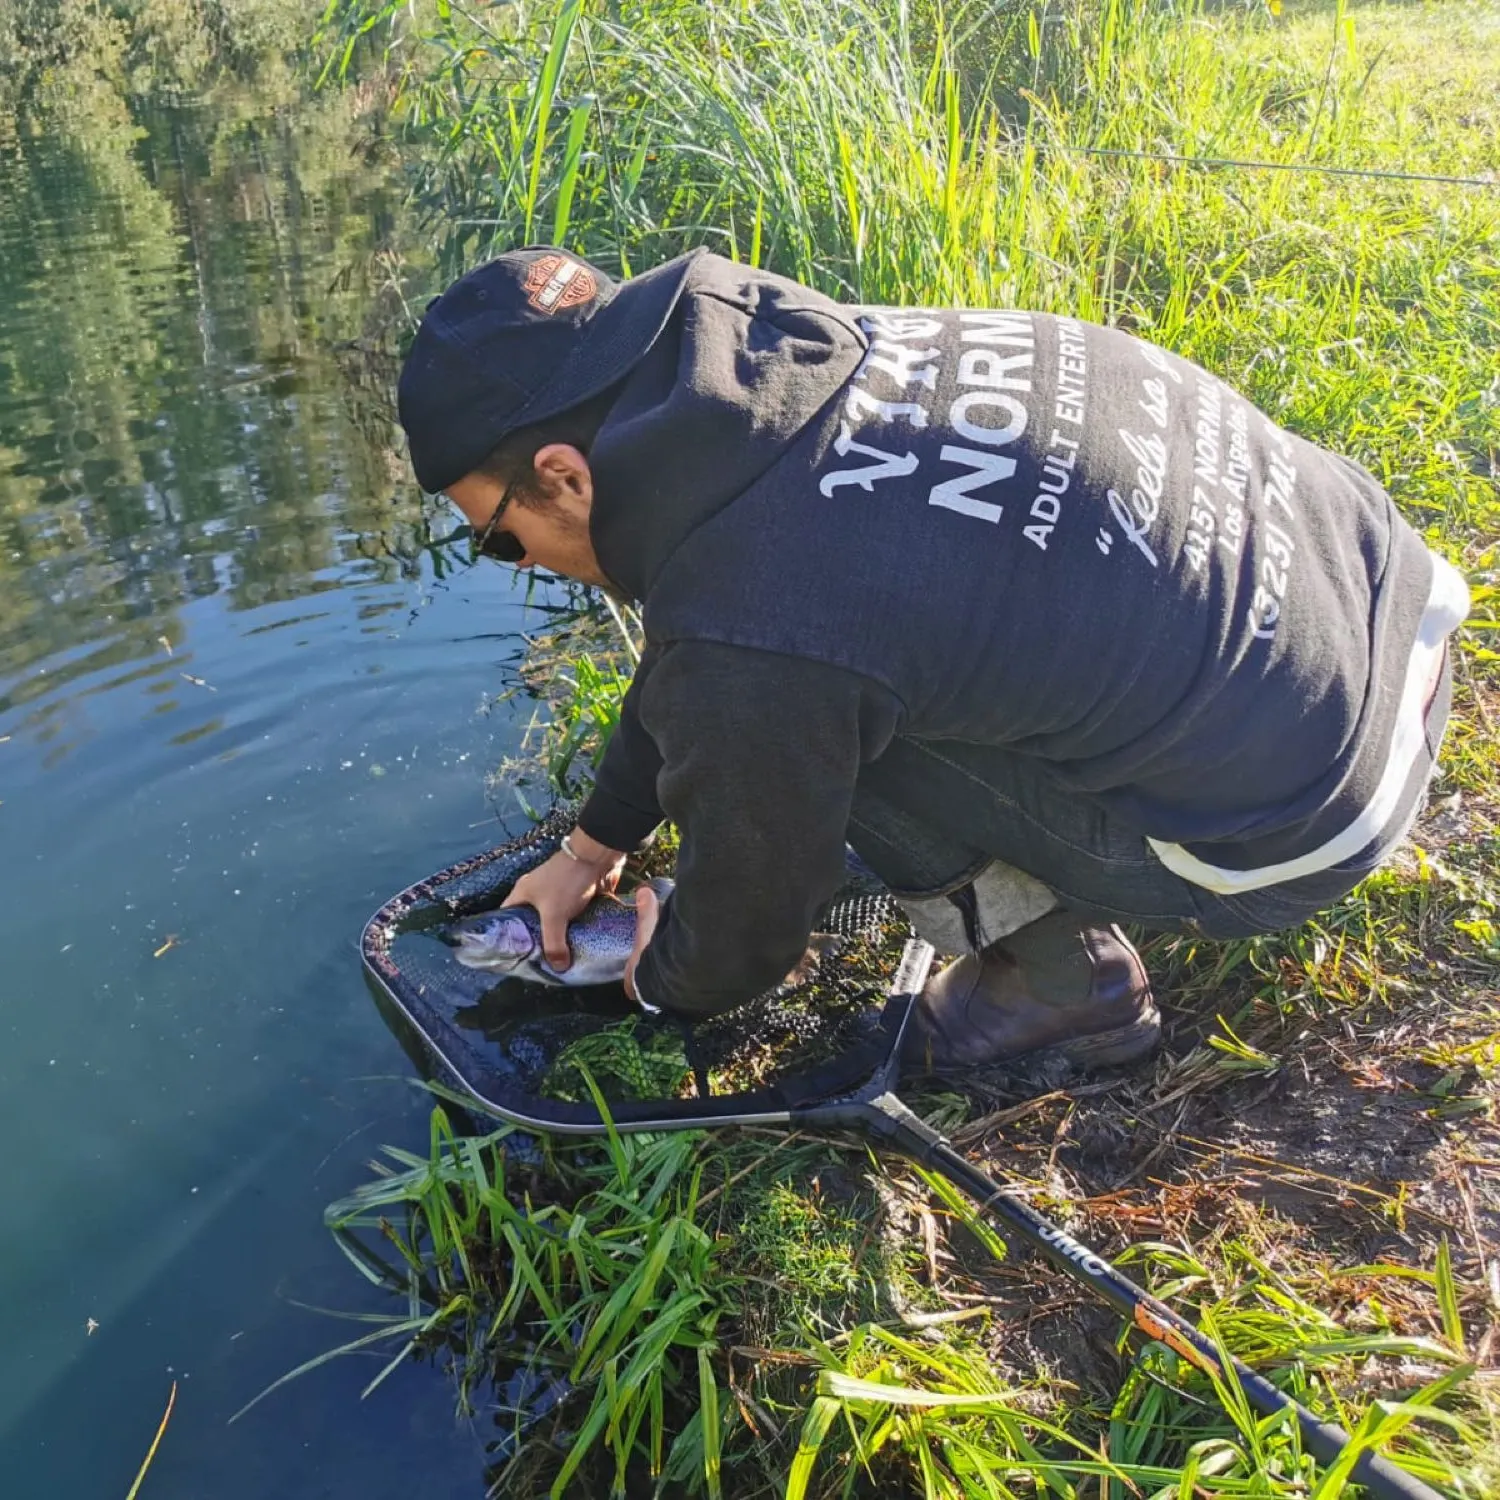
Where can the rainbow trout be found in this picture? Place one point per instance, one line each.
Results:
(509, 941)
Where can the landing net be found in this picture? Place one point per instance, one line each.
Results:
(528, 1051)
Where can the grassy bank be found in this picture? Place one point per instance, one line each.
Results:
(1311, 1165)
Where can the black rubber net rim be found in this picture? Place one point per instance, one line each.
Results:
(428, 1026)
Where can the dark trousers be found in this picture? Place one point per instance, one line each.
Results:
(930, 814)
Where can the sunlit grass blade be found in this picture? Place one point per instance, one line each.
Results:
(166, 1417)
(567, 183)
(708, 1416)
(542, 100)
(1447, 1296)
(821, 1415)
(396, 1328)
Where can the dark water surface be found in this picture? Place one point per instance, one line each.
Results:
(231, 723)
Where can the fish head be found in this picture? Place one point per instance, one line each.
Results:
(500, 941)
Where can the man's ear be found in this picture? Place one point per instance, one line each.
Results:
(562, 469)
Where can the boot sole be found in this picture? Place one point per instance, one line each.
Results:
(1106, 1049)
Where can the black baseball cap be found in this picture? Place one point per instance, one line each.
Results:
(522, 338)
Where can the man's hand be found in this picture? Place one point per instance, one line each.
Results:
(562, 887)
(647, 911)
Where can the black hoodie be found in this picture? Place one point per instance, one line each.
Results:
(1007, 529)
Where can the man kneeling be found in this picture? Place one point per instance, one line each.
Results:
(1051, 626)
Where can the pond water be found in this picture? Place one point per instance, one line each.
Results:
(237, 711)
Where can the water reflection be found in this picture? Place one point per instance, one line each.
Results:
(177, 302)
(238, 691)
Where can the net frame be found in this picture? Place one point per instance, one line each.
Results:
(439, 1048)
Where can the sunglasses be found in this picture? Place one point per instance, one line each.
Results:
(501, 546)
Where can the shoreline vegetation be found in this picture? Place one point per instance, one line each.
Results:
(1310, 1167)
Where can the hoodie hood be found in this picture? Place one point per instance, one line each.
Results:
(746, 362)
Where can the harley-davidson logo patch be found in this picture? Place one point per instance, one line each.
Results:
(555, 282)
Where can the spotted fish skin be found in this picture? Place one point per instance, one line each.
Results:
(509, 942)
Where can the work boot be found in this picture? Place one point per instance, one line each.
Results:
(1051, 988)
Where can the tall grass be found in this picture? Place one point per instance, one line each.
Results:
(906, 153)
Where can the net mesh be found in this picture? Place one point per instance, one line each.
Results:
(532, 1050)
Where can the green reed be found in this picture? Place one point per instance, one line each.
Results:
(609, 1288)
